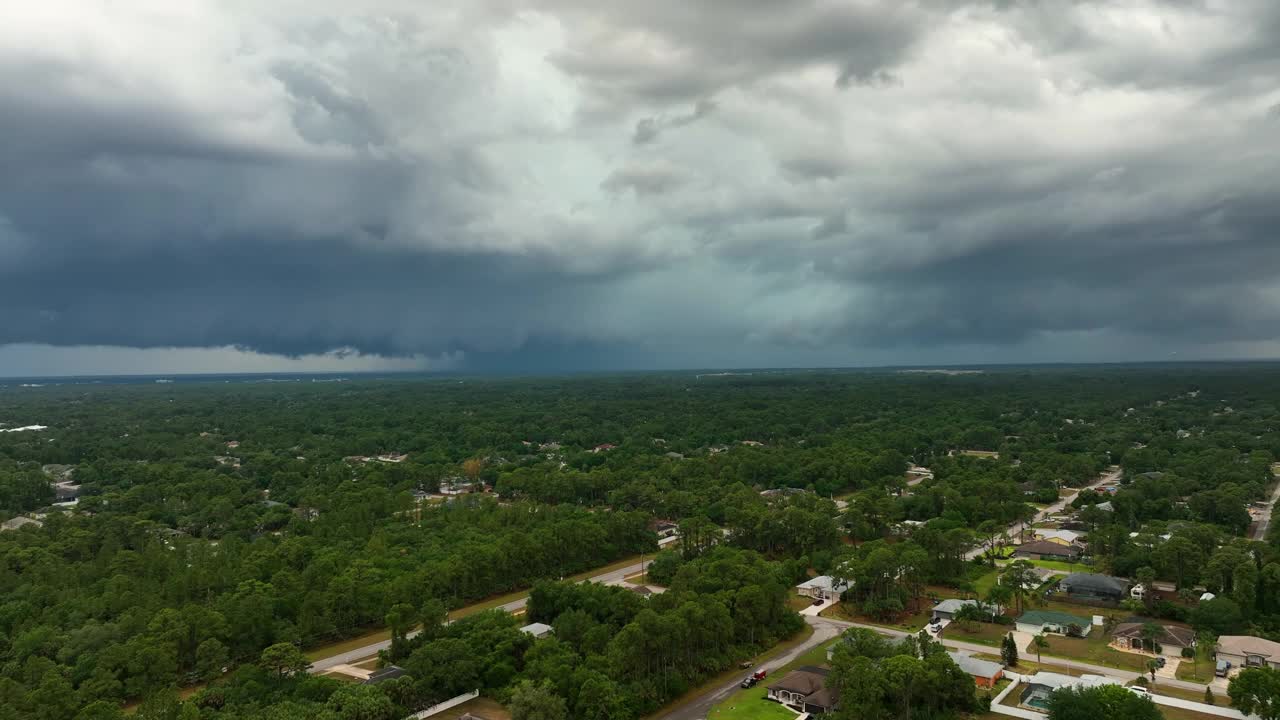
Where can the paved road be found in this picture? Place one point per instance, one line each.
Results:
(351, 657)
(1109, 476)
(1260, 533)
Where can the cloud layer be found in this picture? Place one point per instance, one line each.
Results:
(610, 183)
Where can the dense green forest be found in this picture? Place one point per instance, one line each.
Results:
(217, 520)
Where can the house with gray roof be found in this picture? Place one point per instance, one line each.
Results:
(984, 672)
(947, 609)
(1094, 587)
(1050, 622)
(823, 587)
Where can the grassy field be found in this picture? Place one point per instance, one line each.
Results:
(726, 676)
(1192, 695)
(1067, 567)
(983, 584)
(1173, 713)
(981, 633)
(1031, 667)
(1092, 649)
(799, 602)
(750, 705)
(1187, 671)
(910, 622)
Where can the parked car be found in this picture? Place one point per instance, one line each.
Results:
(1139, 690)
(749, 682)
(744, 664)
(1160, 662)
(1223, 668)
(817, 601)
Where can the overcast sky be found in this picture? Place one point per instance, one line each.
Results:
(541, 184)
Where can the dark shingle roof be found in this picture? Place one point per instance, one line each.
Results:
(1093, 581)
(1045, 547)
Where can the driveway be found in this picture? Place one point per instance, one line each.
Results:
(815, 610)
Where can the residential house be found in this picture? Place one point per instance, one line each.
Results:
(19, 522)
(947, 609)
(537, 630)
(804, 690)
(1170, 641)
(1047, 550)
(674, 456)
(1041, 685)
(604, 447)
(984, 672)
(641, 590)
(456, 486)
(1050, 622)
(664, 528)
(1062, 537)
(1094, 587)
(1248, 651)
(782, 492)
(823, 587)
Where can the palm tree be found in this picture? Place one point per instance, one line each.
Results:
(1040, 642)
(1149, 632)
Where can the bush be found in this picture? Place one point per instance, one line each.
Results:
(1188, 653)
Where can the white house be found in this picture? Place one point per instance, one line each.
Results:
(537, 630)
(823, 587)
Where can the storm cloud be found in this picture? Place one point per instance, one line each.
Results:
(571, 183)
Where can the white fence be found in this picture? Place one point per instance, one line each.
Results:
(442, 706)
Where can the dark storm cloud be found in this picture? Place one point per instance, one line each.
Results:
(616, 184)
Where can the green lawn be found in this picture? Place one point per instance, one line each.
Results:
(911, 622)
(1174, 713)
(1029, 666)
(799, 602)
(983, 584)
(1066, 567)
(1187, 671)
(1091, 649)
(981, 633)
(750, 705)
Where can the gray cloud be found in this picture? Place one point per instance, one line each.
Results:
(528, 183)
(648, 129)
